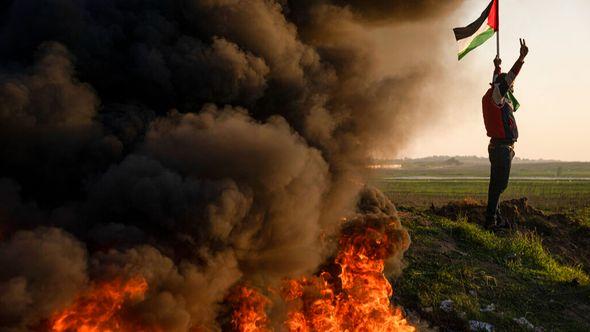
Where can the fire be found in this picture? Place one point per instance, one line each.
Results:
(249, 314)
(99, 308)
(351, 295)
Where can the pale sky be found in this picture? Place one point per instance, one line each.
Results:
(552, 88)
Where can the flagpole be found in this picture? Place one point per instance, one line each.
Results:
(498, 32)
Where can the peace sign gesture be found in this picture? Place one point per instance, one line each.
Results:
(524, 50)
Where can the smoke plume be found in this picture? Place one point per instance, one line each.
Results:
(195, 143)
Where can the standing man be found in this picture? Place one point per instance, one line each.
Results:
(499, 106)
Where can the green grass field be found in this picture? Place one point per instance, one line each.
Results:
(482, 168)
(554, 186)
(553, 195)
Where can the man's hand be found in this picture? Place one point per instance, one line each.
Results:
(497, 62)
(524, 50)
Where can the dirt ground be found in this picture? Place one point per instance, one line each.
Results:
(563, 236)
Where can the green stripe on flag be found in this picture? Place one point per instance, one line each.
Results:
(478, 40)
(513, 101)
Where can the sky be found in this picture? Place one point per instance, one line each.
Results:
(552, 88)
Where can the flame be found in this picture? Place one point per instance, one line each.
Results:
(249, 313)
(352, 295)
(98, 309)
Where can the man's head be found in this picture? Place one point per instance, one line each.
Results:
(501, 79)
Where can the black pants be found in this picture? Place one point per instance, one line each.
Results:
(501, 160)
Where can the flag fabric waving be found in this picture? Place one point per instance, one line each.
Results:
(513, 101)
(477, 33)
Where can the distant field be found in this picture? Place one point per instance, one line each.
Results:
(552, 186)
(545, 194)
(552, 169)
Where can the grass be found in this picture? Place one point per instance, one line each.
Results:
(582, 216)
(473, 267)
(523, 253)
(539, 272)
(555, 195)
(519, 169)
(556, 186)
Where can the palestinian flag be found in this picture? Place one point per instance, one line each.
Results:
(477, 33)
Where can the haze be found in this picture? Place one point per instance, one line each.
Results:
(554, 119)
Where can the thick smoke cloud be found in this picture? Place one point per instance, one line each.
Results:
(41, 271)
(272, 162)
(375, 209)
(182, 296)
(48, 138)
(400, 10)
(196, 143)
(262, 196)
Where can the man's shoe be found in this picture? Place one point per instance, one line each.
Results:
(490, 225)
(503, 224)
(490, 222)
(498, 224)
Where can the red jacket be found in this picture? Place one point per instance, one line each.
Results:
(498, 112)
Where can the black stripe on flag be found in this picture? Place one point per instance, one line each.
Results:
(462, 33)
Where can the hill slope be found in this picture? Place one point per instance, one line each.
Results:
(539, 269)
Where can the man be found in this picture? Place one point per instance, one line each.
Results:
(499, 106)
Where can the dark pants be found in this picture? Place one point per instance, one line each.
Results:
(500, 159)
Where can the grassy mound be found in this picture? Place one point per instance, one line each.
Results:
(496, 277)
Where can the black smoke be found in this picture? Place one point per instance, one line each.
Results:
(193, 142)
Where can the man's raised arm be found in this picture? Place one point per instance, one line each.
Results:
(524, 50)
